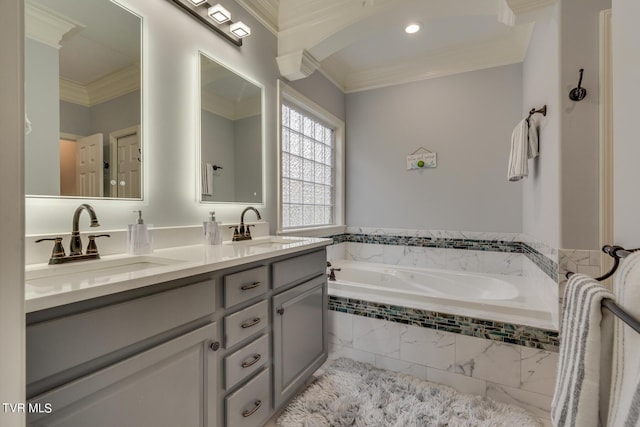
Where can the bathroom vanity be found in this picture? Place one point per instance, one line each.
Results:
(224, 340)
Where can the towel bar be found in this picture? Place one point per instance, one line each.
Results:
(617, 253)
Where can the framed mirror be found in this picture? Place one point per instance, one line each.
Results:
(231, 135)
(83, 99)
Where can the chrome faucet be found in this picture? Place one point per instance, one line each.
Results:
(58, 256)
(76, 244)
(243, 233)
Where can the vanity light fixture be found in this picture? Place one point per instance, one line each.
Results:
(240, 29)
(216, 17)
(412, 28)
(219, 14)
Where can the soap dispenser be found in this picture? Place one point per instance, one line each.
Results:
(212, 230)
(139, 237)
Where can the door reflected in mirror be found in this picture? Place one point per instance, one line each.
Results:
(83, 99)
(230, 135)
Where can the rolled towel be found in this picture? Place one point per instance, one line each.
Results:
(576, 398)
(624, 401)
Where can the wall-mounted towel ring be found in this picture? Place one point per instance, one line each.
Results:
(578, 93)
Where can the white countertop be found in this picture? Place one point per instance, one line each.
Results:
(48, 286)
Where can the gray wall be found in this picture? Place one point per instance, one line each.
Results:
(12, 328)
(248, 170)
(580, 123)
(626, 93)
(42, 145)
(217, 148)
(540, 86)
(467, 119)
(75, 119)
(323, 92)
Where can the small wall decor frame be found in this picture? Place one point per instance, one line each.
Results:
(422, 159)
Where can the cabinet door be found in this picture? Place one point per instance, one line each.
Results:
(299, 336)
(173, 384)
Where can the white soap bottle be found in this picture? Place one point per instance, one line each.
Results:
(139, 237)
(212, 230)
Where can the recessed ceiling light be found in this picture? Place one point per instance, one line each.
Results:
(412, 28)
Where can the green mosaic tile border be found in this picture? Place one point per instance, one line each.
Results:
(547, 265)
(525, 336)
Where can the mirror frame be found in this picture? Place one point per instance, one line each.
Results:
(200, 54)
(142, 125)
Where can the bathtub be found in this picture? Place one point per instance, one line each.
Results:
(512, 299)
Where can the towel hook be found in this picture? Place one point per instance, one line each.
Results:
(578, 93)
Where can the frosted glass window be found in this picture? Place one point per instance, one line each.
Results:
(308, 170)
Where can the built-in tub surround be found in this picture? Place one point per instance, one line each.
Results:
(505, 372)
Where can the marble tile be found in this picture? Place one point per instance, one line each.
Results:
(538, 371)
(589, 270)
(462, 383)
(427, 347)
(538, 404)
(376, 336)
(502, 263)
(402, 366)
(340, 327)
(338, 351)
(487, 360)
(336, 252)
(392, 254)
(366, 252)
(435, 258)
(463, 260)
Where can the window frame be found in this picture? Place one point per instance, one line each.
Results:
(291, 96)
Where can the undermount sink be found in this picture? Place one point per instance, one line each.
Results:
(98, 268)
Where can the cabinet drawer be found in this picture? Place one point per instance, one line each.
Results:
(63, 343)
(245, 323)
(249, 405)
(246, 361)
(299, 268)
(243, 286)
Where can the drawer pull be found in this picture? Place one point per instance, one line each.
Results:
(250, 286)
(250, 323)
(257, 404)
(253, 361)
(214, 346)
(280, 311)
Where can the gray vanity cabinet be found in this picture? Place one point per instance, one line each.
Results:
(172, 384)
(224, 348)
(299, 336)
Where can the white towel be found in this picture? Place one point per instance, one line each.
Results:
(577, 395)
(624, 403)
(524, 146)
(207, 178)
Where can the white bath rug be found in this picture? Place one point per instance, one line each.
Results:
(351, 393)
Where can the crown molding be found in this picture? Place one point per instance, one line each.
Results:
(48, 26)
(514, 12)
(297, 65)
(109, 87)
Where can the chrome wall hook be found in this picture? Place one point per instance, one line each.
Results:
(578, 93)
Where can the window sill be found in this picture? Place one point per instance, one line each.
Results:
(328, 230)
